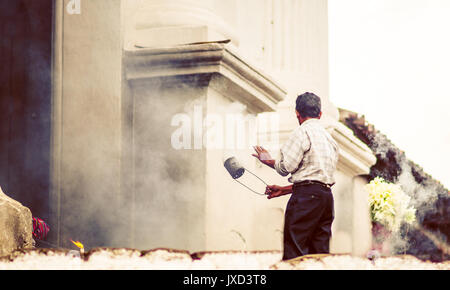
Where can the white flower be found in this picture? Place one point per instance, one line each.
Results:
(389, 204)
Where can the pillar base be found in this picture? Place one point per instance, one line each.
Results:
(183, 196)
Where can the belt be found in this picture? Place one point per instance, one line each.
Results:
(309, 182)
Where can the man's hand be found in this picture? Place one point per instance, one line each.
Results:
(276, 190)
(264, 156)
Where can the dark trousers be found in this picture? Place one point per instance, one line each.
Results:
(308, 218)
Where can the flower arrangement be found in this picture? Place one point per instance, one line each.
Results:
(389, 204)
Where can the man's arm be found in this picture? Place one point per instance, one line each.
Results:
(276, 190)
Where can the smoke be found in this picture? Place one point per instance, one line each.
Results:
(120, 182)
(126, 186)
(428, 197)
(423, 196)
(157, 198)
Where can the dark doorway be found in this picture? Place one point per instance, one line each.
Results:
(25, 102)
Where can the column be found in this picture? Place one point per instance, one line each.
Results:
(182, 191)
(86, 125)
(289, 39)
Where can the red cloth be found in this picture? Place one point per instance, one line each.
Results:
(40, 229)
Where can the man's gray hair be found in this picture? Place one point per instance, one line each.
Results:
(308, 105)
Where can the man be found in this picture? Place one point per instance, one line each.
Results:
(310, 155)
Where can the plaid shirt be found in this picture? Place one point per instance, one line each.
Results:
(309, 154)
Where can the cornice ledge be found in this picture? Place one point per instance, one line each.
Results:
(355, 157)
(190, 62)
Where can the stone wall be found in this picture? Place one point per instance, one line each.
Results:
(15, 225)
(167, 259)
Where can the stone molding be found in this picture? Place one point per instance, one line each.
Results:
(200, 64)
(355, 158)
(177, 15)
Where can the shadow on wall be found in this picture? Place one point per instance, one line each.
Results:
(25, 102)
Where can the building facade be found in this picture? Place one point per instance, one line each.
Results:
(149, 97)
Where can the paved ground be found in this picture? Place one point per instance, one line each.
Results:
(107, 258)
